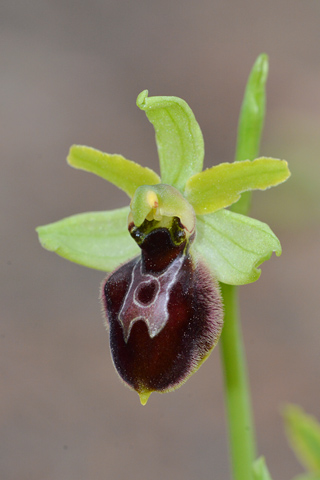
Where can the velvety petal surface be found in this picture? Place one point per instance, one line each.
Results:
(234, 245)
(164, 313)
(125, 174)
(97, 240)
(221, 186)
(178, 136)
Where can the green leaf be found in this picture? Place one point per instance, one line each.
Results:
(260, 470)
(221, 186)
(123, 173)
(252, 111)
(97, 240)
(234, 245)
(178, 137)
(303, 432)
(251, 121)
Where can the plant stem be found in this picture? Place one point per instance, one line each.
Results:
(238, 404)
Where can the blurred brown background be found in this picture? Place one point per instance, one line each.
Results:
(70, 73)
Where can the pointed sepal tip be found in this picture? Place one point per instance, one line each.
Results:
(144, 396)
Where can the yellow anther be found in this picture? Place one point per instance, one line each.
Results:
(152, 199)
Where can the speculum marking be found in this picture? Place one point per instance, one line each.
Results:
(147, 298)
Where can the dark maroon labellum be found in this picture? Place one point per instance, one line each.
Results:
(164, 312)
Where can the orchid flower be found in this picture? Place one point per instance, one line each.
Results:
(168, 250)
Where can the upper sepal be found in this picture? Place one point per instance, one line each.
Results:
(178, 137)
(234, 245)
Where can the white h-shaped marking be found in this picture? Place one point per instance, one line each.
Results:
(155, 313)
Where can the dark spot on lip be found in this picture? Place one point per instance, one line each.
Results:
(147, 292)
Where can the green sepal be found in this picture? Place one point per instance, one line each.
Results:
(125, 174)
(97, 240)
(178, 137)
(260, 470)
(157, 201)
(303, 432)
(220, 186)
(251, 122)
(234, 245)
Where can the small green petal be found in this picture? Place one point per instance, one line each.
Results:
(97, 240)
(260, 470)
(125, 174)
(303, 432)
(178, 137)
(221, 186)
(234, 245)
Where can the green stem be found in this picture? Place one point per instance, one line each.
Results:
(238, 404)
